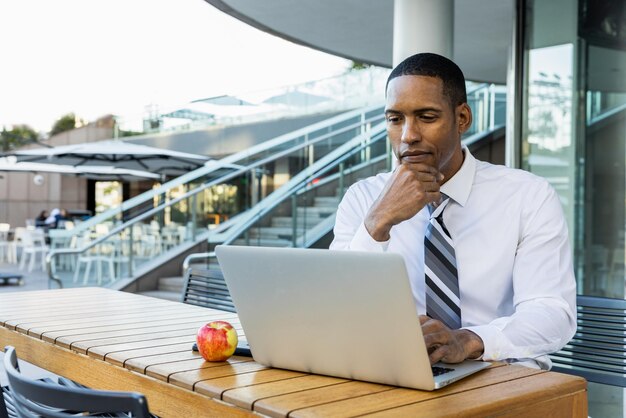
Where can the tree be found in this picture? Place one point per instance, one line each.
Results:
(16, 137)
(64, 123)
(358, 65)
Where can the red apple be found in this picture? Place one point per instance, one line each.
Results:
(217, 340)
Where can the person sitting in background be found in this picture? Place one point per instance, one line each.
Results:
(40, 221)
(51, 221)
(62, 218)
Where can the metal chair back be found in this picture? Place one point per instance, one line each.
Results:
(35, 398)
(207, 288)
(598, 350)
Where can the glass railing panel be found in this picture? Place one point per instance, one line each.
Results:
(488, 104)
(601, 104)
(306, 214)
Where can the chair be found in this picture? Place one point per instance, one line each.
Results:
(207, 288)
(4, 241)
(170, 237)
(34, 398)
(60, 239)
(97, 256)
(598, 350)
(16, 244)
(33, 244)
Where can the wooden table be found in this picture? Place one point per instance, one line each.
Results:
(120, 341)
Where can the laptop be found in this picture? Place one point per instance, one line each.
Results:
(338, 313)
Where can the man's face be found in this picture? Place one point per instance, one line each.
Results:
(423, 126)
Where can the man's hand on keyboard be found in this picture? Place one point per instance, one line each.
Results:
(449, 346)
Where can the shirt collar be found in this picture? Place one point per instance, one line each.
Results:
(459, 186)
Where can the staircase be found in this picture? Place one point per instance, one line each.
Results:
(280, 232)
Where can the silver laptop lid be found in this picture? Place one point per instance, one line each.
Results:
(339, 313)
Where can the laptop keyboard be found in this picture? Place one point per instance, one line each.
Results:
(438, 371)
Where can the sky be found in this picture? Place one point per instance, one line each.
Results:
(95, 57)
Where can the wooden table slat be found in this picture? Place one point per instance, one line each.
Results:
(245, 397)
(121, 357)
(282, 405)
(188, 379)
(217, 387)
(163, 371)
(141, 364)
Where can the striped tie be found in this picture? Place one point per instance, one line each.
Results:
(442, 280)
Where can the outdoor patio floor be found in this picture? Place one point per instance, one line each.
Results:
(35, 280)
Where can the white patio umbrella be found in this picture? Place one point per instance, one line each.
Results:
(114, 153)
(91, 172)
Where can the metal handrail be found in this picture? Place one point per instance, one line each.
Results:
(606, 114)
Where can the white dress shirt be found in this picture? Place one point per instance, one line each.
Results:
(517, 285)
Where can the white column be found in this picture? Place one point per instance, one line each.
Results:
(422, 26)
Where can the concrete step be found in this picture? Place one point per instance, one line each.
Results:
(285, 221)
(265, 242)
(271, 232)
(163, 294)
(316, 210)
(326, 201)
(171, 284)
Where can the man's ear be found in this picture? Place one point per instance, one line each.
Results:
(464, 117)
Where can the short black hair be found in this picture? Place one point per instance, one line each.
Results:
(433, 65)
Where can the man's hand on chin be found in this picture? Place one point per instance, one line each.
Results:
(409, 189)
(449, 346)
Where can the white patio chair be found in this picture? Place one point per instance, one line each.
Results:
(98, 257)
(4, 241)
(170, 237)
(60, 240)
(34, 244)
(16, 244)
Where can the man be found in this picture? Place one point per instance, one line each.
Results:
(491, 265)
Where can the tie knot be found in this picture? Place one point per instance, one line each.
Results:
(433, 206)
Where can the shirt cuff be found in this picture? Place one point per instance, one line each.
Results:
(490, 336)
(363, 241)
(496, 349)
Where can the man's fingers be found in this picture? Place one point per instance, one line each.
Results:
(433, 339)
(438, 354)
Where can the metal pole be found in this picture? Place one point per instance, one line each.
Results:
(294, 218)
(492, 107)
(341, 178)
(130, 252)
(194, 216)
